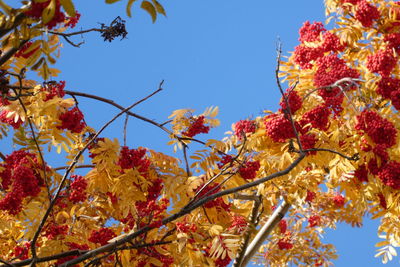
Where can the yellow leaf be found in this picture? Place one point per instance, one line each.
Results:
(111, 1)
(159, 7)
(150, 9)
(129, 7)
(68, 7)
(382, 243)
(48, 12)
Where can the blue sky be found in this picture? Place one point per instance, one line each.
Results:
(209, 53)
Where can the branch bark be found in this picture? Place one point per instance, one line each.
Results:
(264, 232)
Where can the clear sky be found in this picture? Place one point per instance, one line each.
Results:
(209, 53)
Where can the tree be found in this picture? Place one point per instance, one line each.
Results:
(328, 155)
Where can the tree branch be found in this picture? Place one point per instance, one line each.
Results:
(267, 228)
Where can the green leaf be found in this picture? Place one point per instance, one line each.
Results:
(111, 1)
(48, 12)
(150, 9)
(129, 7)
(68, 7)
(160, 9)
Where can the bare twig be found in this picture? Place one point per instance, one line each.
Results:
(289, 112)
(186, 160)
(125, 126)
(2, 156)
(76, 33)
(76, 167)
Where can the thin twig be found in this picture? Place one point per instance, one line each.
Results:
(185, 147)
(125, 126)
(76, 33)
(279, 51)
(76, 167)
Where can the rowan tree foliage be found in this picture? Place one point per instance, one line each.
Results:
(328, 155)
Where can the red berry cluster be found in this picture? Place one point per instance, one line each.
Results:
(308, 141)
(72, 120)
(353, 2)
(185, 227)
(112, 197)
(366, 13)
(196, 127)
(72, 21)
(361, 173)
(279, 128)
(20, 179)
(395, 97)
(78, 189)
(373, 167)
(390, 174)
(153, 253)
(387, 85)
(285, 243)
(338, 200)
(249, 170)
(380, 130)
(22, 52)
(10, 120)
(238, 224)
(101, 236)
(331, 43)
(244, 126)
(393, 41)
(310, 196)
(154, 190)
(294, 101)
(219, 262)
(134, 158)
(146, 208)
(331, 69)
(382, 201)
(52, 231)
(227, 159)
(311, 32)
(389, 88)
(210, 189)
(282, 226)
(318, 117)
(37, 10)
(304, 55)
(314, 220)
(54, 90)
(382, 62)
(22, 252)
